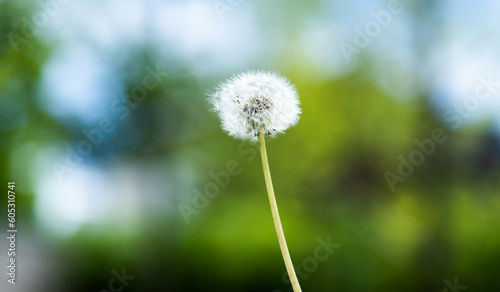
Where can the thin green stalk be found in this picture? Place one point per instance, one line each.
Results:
(276, 216)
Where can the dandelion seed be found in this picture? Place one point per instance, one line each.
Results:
(256, 102)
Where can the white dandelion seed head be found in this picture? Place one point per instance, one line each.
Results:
(256, 102)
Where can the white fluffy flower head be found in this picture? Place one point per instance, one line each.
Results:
(256, 102)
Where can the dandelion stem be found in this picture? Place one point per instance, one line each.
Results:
(276, 216)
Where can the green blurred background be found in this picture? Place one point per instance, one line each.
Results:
(373, 77)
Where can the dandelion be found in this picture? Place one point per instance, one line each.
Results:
(256, 102)
(254, 105)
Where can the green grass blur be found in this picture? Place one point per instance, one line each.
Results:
(441, 223)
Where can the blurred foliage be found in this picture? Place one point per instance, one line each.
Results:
(328, 173)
